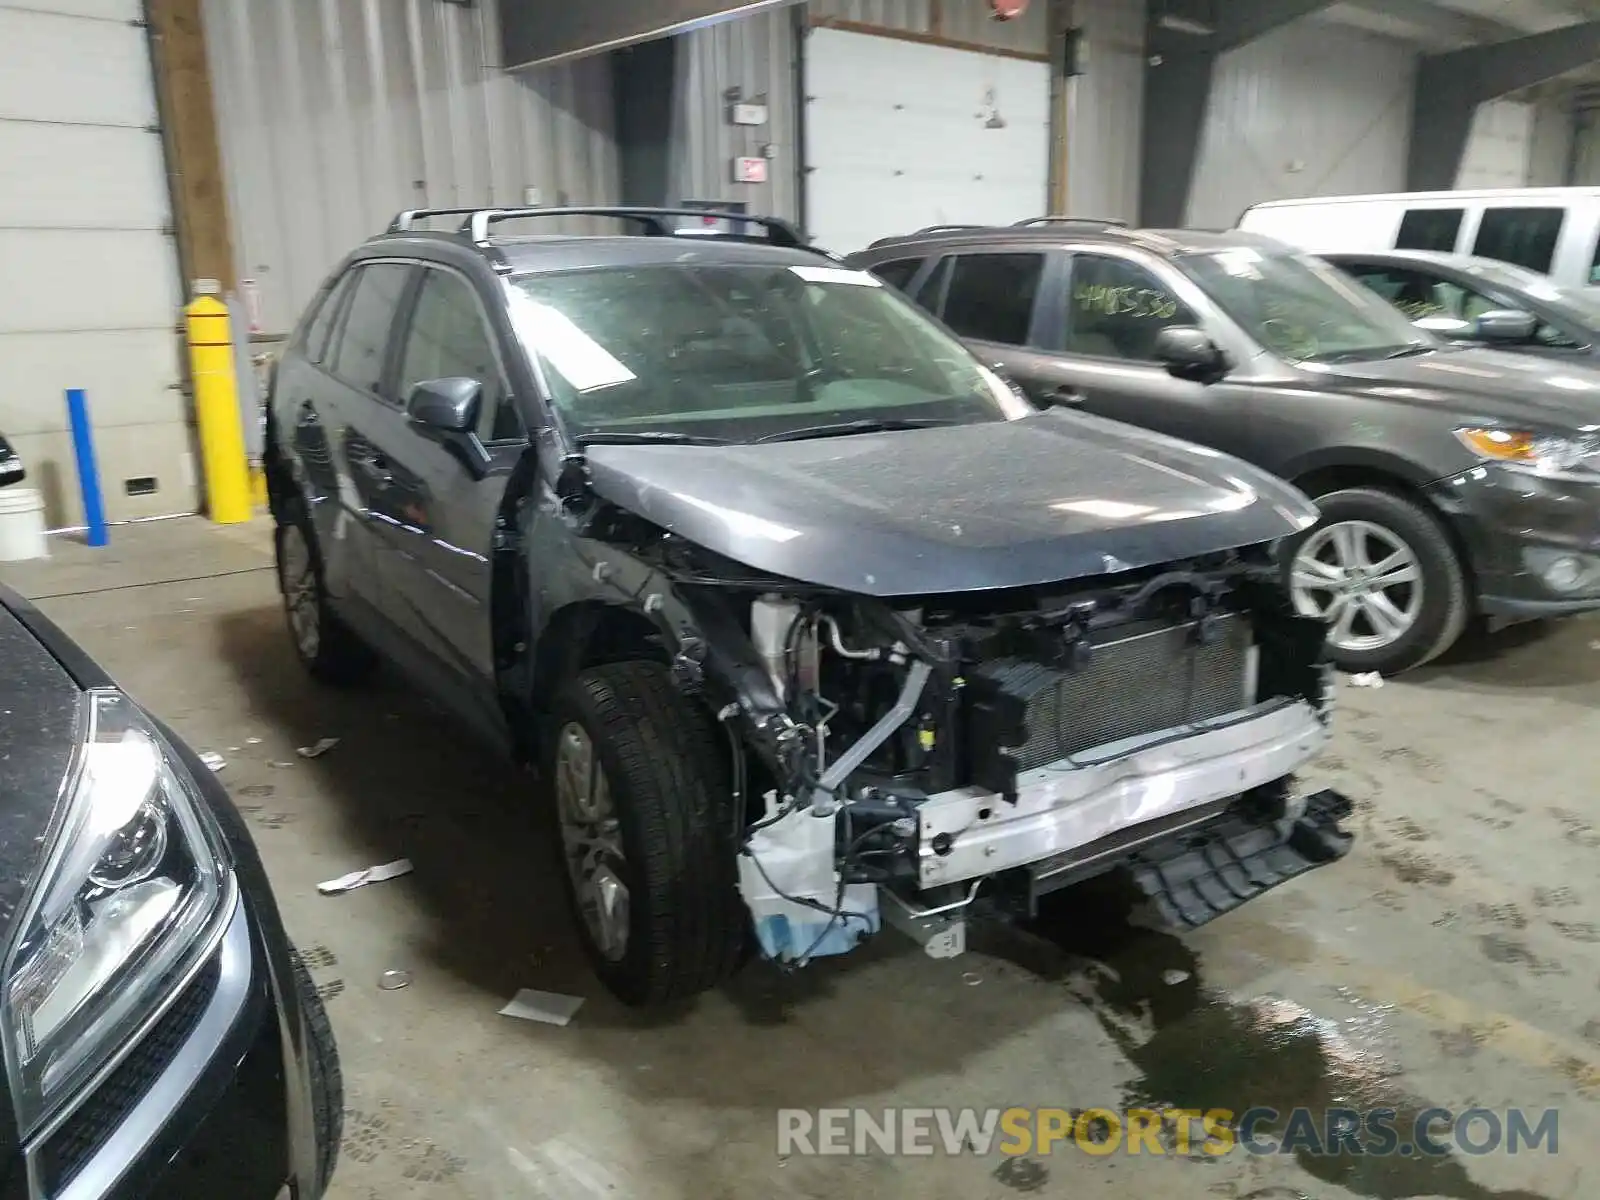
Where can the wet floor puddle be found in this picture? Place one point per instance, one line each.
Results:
(1195, 1049)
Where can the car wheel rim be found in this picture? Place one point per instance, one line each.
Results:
(591, 838)
(1363, 580)
(300, 593)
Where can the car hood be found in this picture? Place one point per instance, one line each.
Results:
(38, 736)
(1488, 383)
(1053, 496)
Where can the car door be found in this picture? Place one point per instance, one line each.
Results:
(442, 496)
(1447, 302)
(334, 402)
(1099, 337)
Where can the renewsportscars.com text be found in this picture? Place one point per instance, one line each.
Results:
(1432, 1132)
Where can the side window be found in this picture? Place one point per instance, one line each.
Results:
(931, 294)
(363, 341)
(899, 273)
(448, 339)
(1429, 229)
(1416, 294)
(991, 296)
(1525, 236)
(315, 342)
(1117, 308)
(1594, 265)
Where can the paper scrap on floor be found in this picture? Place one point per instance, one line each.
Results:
(1366, 679)
(318, 750)
(550, 1007)
(345, 883)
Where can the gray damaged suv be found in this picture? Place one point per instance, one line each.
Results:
(1452, 480)
(811, 623)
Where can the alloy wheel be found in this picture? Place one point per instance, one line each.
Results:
(1363, 580)
(591, 838)
(301, 597)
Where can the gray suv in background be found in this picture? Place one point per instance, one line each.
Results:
(1452, 480)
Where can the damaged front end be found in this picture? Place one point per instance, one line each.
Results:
(901, 760)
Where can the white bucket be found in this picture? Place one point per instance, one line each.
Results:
(22, 525)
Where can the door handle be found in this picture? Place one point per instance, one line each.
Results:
(1064, 394)
(307, 416)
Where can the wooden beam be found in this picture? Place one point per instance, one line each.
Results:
(194, 153)
(925, 39)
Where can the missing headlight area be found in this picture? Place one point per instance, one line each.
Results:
(932, 755)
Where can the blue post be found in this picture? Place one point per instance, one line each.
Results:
(94, 513)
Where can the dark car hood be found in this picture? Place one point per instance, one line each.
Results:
(1053, 496)
(38, 734)
(1490, 383)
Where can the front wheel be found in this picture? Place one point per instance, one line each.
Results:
(1380, 570)
(645, 819)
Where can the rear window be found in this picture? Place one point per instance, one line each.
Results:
(1429, 229)
(991, 296)
(899, 273)
(1525, 236)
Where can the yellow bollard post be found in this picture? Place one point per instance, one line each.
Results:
(216, 411)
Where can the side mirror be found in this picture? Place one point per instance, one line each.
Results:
(1188, 353)
(445, 406)
(11, 468)
(1508, 325)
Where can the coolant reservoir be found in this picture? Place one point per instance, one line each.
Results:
(771, 619)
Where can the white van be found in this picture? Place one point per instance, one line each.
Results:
(1555, 231)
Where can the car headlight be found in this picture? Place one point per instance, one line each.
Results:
(1541, 454)
(136, 881)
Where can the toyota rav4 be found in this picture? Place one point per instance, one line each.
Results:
(809, 620)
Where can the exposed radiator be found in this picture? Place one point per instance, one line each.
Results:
(1140, 680)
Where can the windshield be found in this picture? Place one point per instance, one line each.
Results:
(742, 352)
(1303, 309)
(1575, 304)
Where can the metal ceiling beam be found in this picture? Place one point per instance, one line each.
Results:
(1451, 86)
(1183, 40)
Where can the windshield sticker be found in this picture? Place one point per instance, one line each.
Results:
(836, 275)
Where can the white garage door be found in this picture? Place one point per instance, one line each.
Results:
(900, 135)
(91, 295)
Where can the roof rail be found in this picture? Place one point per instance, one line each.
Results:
(1053, 219)
(779, 232)
(947, 229)
(403, 222)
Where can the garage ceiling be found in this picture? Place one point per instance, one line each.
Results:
(1440, 25)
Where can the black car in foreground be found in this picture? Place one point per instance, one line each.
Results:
(812, 623)
(161, 1038)
(1484, 301)
(1451, 480)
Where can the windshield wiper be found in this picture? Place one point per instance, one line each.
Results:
(645, 437)
(845, 428)
(1371, 353)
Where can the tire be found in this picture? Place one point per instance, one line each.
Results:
(327, 1077)
(324, 644)
(1384, 519)
(665, 765)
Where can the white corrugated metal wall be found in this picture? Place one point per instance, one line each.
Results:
(1499, 146)
(1104, 107)
(335, 114)
(1311, 109)
(757, 55)
(1550, 154)
(91, 297)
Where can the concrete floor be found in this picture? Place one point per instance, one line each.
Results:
(1453, 958)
